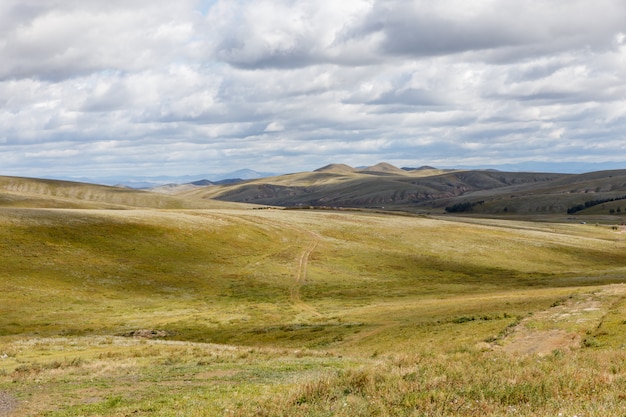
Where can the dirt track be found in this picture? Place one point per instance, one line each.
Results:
(545, 331)
(300, 277)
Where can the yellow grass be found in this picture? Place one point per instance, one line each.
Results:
(280, 312)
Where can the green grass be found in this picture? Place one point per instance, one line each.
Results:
(114, 376)
(120, 376)
(314, 313)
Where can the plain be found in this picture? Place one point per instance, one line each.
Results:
(242, 311)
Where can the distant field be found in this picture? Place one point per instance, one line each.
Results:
(308, 312)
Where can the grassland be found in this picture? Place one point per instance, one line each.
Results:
(174, 312)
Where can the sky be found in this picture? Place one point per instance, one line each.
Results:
(97, 88)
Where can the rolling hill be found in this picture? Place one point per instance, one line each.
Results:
(126, 302)
(486, 192)
(382, 186)
(44, 193)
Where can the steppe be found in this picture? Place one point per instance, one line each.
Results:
(119, 302)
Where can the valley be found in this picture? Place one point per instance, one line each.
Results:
(124, 302)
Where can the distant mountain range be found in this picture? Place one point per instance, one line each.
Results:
(427, 189)
(143, 182)
(382, 187)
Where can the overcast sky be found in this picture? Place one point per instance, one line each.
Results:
(146, 87)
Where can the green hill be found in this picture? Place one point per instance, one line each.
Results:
(42, 193)
(165, 309)
(424, 191)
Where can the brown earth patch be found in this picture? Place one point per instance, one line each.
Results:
(7, 404)
(561, 327)
(542, 342)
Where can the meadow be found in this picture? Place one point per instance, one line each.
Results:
(241, 311)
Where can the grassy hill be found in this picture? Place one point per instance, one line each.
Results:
(368, 187)
(236, 311)
(31, 192)
(383, 186)
(42, 193)
(123, 302)
(427, 190)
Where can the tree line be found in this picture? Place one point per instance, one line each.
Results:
(461, 207)
(591, 203)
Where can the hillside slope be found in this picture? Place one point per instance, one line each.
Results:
(43, 193)
(302, 312)
(384, 186)
(376, 186)
(559, 195)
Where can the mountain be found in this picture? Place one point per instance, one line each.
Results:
(336, 168)
(382, 186)
(383, 168)
(424, 190)
(145, 182)
(179, 188)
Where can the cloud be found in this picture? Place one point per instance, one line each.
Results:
(294, 34)
(286, 34)
(63, 39)
(274, 127)
(408, 97)
(491, 28)
(217, 85)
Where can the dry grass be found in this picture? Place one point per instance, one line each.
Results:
(391, 315)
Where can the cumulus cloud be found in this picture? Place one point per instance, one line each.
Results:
(493, 30)
(56, 40)
(285, 85)
(285, 33)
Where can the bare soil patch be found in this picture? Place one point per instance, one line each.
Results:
(561, 327)
(8, 403)
(542, 342)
